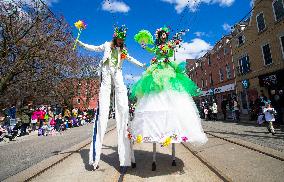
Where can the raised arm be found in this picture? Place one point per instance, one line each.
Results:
(99, 48)
(134, 61)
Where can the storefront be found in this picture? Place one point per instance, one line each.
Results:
(218, 94)
(272, 81)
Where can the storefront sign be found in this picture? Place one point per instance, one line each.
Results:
(270, 80)
(222, 89)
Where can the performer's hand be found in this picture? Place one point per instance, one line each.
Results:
(143, 45)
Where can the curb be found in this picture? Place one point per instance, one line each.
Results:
(39, 168)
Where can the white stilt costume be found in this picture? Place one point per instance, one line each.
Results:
(111, 70)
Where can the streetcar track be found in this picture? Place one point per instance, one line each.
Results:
(222, 176)
(61, 160)
(246, 146)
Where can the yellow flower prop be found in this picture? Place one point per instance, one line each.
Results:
(167, 142)
(80, 25)
(139, 139)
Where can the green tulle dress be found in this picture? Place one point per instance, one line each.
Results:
(163, 75)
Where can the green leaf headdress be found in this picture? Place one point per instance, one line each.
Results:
(120, 32)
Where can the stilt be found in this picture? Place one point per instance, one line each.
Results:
(174, 154)
(154, 157)
(133, 162)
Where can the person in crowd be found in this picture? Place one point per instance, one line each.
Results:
(236, 110)
(34, 119)
(276, 103)
(206, 112)
(41, 116)
(269, 113)
(25, 119)
(214, 111)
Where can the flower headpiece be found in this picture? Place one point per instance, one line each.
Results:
(120, 32)
(166, 29)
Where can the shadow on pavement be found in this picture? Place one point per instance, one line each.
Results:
(143, 161)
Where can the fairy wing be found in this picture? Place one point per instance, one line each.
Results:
(144, 37)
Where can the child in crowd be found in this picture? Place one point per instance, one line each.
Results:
(269, 114)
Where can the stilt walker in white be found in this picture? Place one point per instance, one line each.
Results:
(114, 54)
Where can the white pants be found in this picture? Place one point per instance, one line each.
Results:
(121, 115)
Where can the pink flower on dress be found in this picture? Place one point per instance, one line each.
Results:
(184, 139)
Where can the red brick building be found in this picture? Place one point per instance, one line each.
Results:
(81, 93)
(86, 95)
(214, 73)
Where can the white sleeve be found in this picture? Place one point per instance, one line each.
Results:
(99, 48)
(134, 61)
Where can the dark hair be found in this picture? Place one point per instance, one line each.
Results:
(158, 40)
(114, 43)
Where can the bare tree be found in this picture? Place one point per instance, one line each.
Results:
(35, 51)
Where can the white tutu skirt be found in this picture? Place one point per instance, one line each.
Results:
(167, 117)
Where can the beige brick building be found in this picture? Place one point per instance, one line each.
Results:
(258, 52)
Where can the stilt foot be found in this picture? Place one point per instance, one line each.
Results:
(154, 166)
(174, 163)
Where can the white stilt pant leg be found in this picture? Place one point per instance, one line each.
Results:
(121, 115)
(100, 126)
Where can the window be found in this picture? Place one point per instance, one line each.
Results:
(244, 65)
(201, 65)
(266, 54)
(202, 83)
(211, 79)
(241, 40)
(78, 101)
(278, 8)
(228, 71)
(206, 82)
(260, 22)
(209, 60)
(226, 51)
(221, 75)
(282, 44)
(218, 55)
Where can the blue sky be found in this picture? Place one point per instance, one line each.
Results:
(207, 20)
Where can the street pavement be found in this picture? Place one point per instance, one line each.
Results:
(233, 162)
(248, 132)
(76, 167)
(26, 151)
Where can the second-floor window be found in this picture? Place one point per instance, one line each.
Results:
(278, 8)
(209, 60)
(260, 22)
(266, 54)
(244, 65)
(211, 79)
(228, 71)
(221, 75)
(226, 51)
